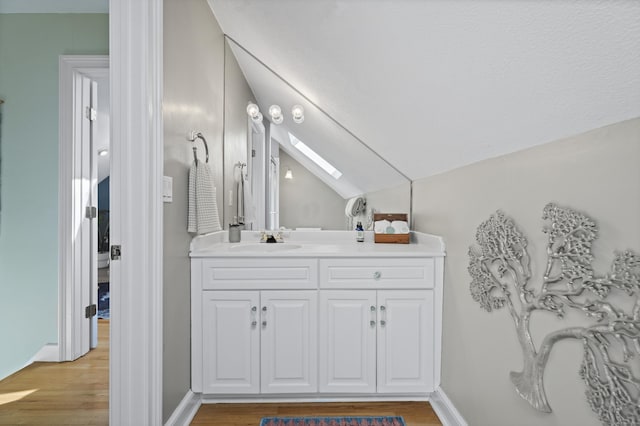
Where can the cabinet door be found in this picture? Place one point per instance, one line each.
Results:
(231, 342)
(289, 354)
(405, 341)
(348, 341)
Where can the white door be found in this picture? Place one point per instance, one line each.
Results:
(231, 342)
(86, 246)
(348, 341)
(93, 283)
(289, 348)
(405, 341)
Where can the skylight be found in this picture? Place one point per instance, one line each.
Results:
(313, 156)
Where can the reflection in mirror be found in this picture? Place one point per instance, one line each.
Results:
(329, 165)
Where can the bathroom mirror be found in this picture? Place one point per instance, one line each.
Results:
(286, 184)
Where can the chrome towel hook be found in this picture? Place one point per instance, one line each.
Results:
(191, 137)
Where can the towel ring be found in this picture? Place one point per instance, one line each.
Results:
(193, 135)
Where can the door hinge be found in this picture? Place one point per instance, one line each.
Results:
(115, 252)
(91, 212)
(90, 311)
(91, 113)
(253, 153)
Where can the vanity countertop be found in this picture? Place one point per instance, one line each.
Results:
(314, 244)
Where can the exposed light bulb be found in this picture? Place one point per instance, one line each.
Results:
(274, 110)
(298, 113)
(288, 174)
(276, 114)
(252, 110)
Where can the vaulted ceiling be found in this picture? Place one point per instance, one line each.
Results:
(433, 85)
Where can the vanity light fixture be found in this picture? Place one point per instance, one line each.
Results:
(254, 112)
(103, 152)
(298, 113)
(276, 114)
(288, 174)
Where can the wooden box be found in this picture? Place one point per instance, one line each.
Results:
(391, 238)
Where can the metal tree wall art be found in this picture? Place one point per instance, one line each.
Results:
(500, 271)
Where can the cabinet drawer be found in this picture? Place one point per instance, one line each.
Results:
(259, 274)
(377, 273)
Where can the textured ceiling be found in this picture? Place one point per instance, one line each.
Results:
(435, 85)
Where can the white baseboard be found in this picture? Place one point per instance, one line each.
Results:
(186, 410)
(447, 413)
(188, 407)
(48, 353)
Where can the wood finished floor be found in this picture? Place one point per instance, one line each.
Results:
(65, 393)
(77, 393)
(414, 413)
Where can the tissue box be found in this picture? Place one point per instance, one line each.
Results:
(391, 238)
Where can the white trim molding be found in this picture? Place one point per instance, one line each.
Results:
(186, 410)
(69, 300)
(135, 46)
(446, 411)
(48, 353)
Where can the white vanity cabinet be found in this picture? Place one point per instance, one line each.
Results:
(380, 339)
(259, 341)
(321, 324)
(376, 341)
(289, 341)
(254, 326)
(230, 342)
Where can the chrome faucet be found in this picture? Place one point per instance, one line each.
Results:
(271, 237)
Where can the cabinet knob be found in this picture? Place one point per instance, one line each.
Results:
(382, 308)
(264, 323)
(377, 275)
(254, 308)
(264, 309)
(254, 323)
(372, 323)
(373, 308)
(383, 323)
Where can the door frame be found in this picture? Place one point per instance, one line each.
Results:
(137, 161)
(69, 197)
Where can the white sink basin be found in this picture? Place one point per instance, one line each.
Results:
(264, 247)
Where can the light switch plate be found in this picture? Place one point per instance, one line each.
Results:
(167, 189)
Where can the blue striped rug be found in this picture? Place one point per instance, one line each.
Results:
(333, 421)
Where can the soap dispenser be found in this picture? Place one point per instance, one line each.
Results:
(359, 233)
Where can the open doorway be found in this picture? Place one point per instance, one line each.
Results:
(84, 133)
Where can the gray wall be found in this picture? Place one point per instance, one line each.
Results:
(596, 173)
(193, 100)
(306, 201)
(390, 200)
(30, 45)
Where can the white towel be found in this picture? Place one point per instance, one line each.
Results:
(380, 226)
(400, 227)
(354, 207)
(240, 201)
(203, 205)
(249, 207)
